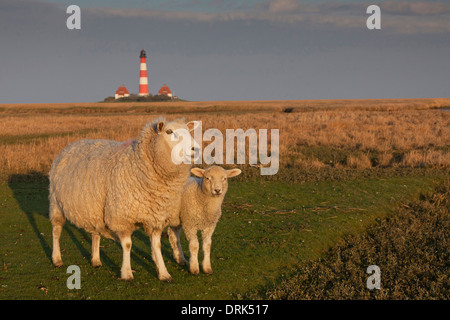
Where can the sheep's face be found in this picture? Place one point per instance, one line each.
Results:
(215, 179)
(177, 138)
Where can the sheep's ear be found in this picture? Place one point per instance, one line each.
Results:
(160, 126)
(198, 172)
(233, 172)
(192, 125)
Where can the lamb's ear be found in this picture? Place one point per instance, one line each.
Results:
(192, 125)
(233, 173)
(160, 126)
(198, 172)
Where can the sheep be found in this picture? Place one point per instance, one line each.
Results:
(200, 210)
(110, 188)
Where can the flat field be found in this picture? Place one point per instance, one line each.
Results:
(344, 164)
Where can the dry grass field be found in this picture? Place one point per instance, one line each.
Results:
(318, 134)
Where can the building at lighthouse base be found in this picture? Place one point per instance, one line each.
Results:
(165, 91)
(122, 92)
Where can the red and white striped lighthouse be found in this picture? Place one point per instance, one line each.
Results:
(143, 80)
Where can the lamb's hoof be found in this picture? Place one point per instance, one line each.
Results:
(194, 271)
(182, 262)
(208, 271)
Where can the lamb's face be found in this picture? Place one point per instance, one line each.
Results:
(215, 179)
(178, 140)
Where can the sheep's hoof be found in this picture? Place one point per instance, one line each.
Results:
(182, 262)
(96, 264)
(58, 263)
(208, 271)
(126, 276)
(195, 271)
(167, 278)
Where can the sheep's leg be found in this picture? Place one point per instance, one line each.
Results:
(206, 240)
(126, 272)
(174, 239)
(155, 240)
(191, 235)
(58, 220)
(95, 260)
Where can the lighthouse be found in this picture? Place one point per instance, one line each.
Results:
(143, 80)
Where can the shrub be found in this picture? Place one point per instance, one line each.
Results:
(137, 98)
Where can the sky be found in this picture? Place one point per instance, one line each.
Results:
(224, 49)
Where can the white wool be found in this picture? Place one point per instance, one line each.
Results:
(201, 208)
(110, 188)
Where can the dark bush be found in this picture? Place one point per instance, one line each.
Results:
(137, 98)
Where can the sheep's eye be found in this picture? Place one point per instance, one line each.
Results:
(208, 178)
(169, 131)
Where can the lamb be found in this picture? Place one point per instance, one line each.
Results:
(110, 188)
(200, 210)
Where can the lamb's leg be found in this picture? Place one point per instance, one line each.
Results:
(174, 239)
(155, 239)
(125, 272)
(191, 235)
(58, 220)
(206, 240)
(95, 260)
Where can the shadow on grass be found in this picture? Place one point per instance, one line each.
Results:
(32, 198)
(31, 192)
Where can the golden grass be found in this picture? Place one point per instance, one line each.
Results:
(420, 159)
(361, 161)
(273, 105)
(31, 135)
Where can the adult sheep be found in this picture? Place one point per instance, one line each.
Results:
(111, 188)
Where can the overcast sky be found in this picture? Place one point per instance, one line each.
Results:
(224, 49)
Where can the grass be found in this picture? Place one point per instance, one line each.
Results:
(266, 229)
(410, 247)
(344, 165)
(353, 134)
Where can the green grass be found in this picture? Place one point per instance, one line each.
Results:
(267, 229)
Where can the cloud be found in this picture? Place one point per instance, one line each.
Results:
(283, 6)
(400, 18)
(415, 8)
(156, 14)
